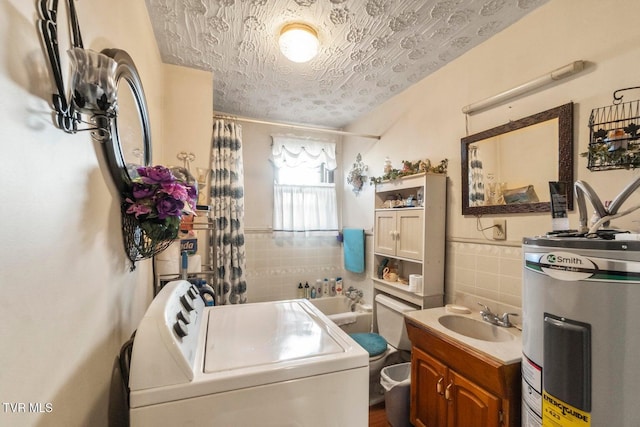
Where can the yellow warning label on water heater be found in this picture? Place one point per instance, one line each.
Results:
(556, 413)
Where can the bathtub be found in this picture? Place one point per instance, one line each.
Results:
(338, 310)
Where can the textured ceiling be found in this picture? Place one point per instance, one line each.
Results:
(370, 50)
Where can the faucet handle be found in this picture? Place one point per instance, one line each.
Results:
(505, 318)
(486, 310)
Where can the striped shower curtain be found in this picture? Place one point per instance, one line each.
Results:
(476, 178)
(227, 203)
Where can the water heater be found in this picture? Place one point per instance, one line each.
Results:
(581, 332)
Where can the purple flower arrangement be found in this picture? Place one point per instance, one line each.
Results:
(158, 200)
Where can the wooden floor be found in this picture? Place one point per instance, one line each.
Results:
(377, 416)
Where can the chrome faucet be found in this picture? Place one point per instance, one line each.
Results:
(490, 317)
(355, 295)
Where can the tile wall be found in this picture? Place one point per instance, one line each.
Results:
(491, 273)
(276, 264)
(474, 271)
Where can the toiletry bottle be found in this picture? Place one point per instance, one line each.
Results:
(332, 287)
(307, 291)
(325, 287)
(300, 290)
(338, 285)
(319, 288)
(184, 265)
(313, 292)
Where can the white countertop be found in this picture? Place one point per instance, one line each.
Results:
(507, 352)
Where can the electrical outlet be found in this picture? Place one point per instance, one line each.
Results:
(499, 229)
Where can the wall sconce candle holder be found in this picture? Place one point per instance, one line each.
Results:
(357, 175)
(92, 76)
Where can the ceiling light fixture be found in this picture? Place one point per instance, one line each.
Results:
(299, 42)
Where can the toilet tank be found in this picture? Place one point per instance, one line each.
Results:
(390, 321)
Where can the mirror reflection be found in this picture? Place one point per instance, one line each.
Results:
(129, 142)
(507, 169)
(130, 132)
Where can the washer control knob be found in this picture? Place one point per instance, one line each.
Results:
(184, 316)
(187, 303)
(194, 290)
(180, 329)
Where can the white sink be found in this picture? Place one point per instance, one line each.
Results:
(476, 329)
(502, 344)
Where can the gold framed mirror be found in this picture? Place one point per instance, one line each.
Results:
(507, 169)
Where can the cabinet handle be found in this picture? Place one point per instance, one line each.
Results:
(447, 392)
(439, 387)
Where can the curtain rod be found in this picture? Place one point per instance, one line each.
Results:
(293, 126)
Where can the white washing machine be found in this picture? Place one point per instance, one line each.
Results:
(279, 364)
(580, 337)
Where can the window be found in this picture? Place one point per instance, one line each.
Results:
(304, 194)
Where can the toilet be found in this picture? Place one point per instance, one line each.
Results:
(389, 346)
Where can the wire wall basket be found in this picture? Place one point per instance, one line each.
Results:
(614, 142)
(144, 239)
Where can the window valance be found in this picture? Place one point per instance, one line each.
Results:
(294, 152)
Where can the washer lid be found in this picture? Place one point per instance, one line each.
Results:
(275, 335)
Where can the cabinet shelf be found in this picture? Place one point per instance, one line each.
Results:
(412, 237)
(399, 258)
(404, 208)
(401, 291)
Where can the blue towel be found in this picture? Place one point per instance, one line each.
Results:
(353, 249)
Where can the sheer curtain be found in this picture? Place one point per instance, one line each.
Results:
(227, 201)
(304, 208)
(308, 203)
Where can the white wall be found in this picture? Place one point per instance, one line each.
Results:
(188, 95)
(426, 122)
(68, 298)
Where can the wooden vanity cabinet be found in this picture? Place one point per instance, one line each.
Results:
(454, 386)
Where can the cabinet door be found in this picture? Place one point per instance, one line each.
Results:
(385, 232)
(410, 235)
(469, 404)
(428, 381)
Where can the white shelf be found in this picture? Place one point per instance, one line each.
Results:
(413, 242)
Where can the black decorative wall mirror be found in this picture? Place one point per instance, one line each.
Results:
(129, 142)
(507, 169)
